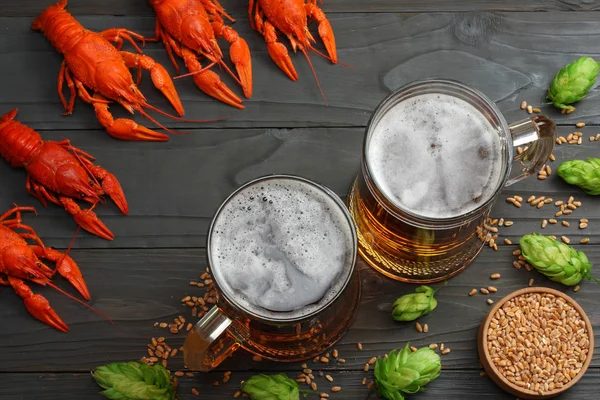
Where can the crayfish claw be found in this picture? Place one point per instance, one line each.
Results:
(37, 305)
(126, 129)
(65, 266)
(210, 83)
(163, 82)
(160, 77)
(239, 53)
(89, 221)
(68, 269)
(280, 56)
(325, 31)
(112, 188)
(278, 52)
(240, 56)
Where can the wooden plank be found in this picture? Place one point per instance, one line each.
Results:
(509, 56)
(15, 8)
(451, 385)
(174, 188)
(137, 288)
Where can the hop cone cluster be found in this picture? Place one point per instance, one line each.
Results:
(406, 372)
(134, 381)
(558, 261)
(573, 82)
(412, 306)
(274, 387)
(585, 174)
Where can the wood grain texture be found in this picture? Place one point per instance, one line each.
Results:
(509, 56)
(15, 8)
(452, 385)
(174, 188)
(137, 288)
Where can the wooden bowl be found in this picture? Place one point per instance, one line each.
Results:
(495, 374)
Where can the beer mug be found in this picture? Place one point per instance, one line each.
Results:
(282, 253)
(436, 156)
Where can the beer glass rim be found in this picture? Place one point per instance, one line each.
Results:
(329, 193)
(389, 204)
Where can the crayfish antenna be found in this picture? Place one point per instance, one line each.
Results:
(85, 167)
(166, 114)
(66, 253)
(154, 121)
(314, 74)
(230, 72)
(330, 59)
(53, 286)
(214, 61)
(212, 64)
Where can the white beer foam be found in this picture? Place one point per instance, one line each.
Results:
(281, 245)
(435, 155)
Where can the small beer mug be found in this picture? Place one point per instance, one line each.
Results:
(436, 157)
(282, 253)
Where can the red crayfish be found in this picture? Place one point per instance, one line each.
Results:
(191, 27)
(59, 172)
(290, 17)
(92, 62)
(20, 261)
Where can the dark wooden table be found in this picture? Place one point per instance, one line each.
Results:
(507, 48)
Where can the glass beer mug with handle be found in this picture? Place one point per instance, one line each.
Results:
(282, 253)
(435, 159)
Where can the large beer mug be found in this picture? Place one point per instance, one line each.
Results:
(436, 156)
(282, 253)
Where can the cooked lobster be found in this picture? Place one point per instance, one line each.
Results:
(92, 62)
(20, 261)
(190, 28)
(290, 17)
(60, 173)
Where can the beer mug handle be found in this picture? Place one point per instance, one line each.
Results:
(533, 139)
(209, 342)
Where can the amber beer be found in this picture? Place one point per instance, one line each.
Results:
(406, 252)
(282, 254)
(435, 157)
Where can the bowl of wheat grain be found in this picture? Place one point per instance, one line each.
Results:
(536, 343)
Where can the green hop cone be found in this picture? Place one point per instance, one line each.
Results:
(406, 372)
(573, 82)
(134, 381)
(585, 174)
(558, 261)
(412, 306)
(274, 387)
